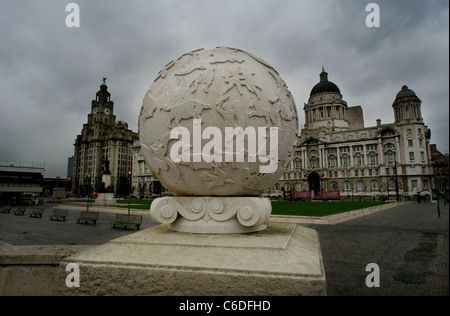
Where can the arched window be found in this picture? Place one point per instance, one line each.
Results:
(374, 185)
(347, 186)
(334, 186)
(298, 187)
(287, 187)
(276, 187)
(360, 186)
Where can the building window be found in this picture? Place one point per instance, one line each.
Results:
(297, 164)
(413, 170)
(410, 143)
(334, 186)
(314, 163)
(391, 184)
(425, 184)
(345, 161)
(360, 186)
(422, 156)
(373, 159)
(332, 162)
(414, 184)
(347, 186)
(276, 187)
(298, 187)
(411, 156)
(344, 137)
(331, 138)
(359, 160)
(409, 131)
(332, 150)
(374, 185)
(356, 135)
(419, 131)
(372, 147)
(370, 134)
(390, 158)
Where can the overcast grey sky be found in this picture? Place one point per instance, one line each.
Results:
(49, 73)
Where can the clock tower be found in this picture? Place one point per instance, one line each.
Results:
(102, 148)
(102, 106)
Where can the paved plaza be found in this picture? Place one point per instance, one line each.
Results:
(409, 243)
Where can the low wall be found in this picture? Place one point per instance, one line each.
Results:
(34, 270)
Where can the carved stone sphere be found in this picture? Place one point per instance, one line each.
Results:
(218, 122)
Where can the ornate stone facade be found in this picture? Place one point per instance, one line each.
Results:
(102, 156)
(336, 151)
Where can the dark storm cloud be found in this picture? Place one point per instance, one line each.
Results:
(49, 73)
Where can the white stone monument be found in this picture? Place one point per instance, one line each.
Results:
(192, 126)
(217, 127)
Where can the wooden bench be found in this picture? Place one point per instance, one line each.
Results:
(58, 215)
(20, 211)
(86, 216)
(37, 212)
(6, 209)
(128, 220)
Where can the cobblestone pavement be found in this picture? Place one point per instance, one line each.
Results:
(409, 243)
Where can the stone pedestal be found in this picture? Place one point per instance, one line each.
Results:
(105, 199)
(212, 215)
(284, 259)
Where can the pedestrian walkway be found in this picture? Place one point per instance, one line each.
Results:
(25, 230)
(409, 243)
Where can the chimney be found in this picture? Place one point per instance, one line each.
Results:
(378, 123)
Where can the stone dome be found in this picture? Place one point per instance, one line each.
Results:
(324, 85)
(405, 92)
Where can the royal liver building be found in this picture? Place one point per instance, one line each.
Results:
(336, 151)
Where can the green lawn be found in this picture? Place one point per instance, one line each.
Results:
(317, 208)
(134, 204)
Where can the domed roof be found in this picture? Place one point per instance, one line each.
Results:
(324, 85)
(405, 92)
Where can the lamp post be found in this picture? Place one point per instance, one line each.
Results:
(88, 191)
(444, 187)
(396, 179)
(129, 190)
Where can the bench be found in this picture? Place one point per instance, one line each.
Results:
(58, 215)
(128, 220)
(86, 216)
(6, 209)
(20, 211)
(37, 212)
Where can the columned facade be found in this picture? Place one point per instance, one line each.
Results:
(336, 152)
